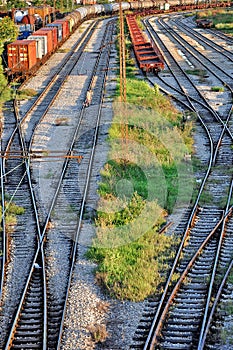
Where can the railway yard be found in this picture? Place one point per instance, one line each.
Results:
(54, 146)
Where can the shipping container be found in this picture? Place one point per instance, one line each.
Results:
(39, 45)
(21, 55)
(59, 29)
(71, 22)
(54, 32)
(43, 11)
(44, 45)
(75, 17)
(65, 27)
(23, 27)
(49, 35)
(24, 34)
(31, 10)
(28, 19)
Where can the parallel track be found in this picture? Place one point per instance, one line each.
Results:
(34, 335)
(190, 297)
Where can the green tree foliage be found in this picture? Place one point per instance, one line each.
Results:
(8, 33)
(17, 4)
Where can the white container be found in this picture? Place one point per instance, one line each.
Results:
(42, 47)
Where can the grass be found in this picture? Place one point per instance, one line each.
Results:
(199, 72)
(141, 183)
(131, 271)
(63, 50)
(222, 19)
(26, 94)
(62, 121)
(217, 88)
(98, 332)
(49, 175)
(11, 212)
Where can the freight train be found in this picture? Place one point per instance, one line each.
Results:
(25, 56)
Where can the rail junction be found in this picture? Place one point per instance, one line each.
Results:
(39, 283)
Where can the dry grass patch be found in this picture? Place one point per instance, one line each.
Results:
(98, 332)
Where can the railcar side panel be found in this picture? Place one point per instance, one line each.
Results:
(22, 55)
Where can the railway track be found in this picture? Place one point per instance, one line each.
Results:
(182, 315)
(43, 305)
(29, 328)
(18, 185)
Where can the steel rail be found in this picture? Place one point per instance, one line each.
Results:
(87, 181)
(214, 306)
(10, 338)
(65, 60)
(176, 35)
(175, 289)
(186, 233)
(49, 85)
(206, 320)
(220, 49)
(188, 78)
(219, 34)
(42, 238)
(176, 260)
(3, 227)
(210, 290)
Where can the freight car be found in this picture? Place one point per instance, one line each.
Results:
(148, 55)
(24, 57)
(204, 23)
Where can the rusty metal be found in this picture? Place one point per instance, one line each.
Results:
(123, 98)
(147, 54)
(39, 155)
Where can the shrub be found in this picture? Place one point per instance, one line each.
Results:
(217, 88)
(25, 94)
(132, 256)
(98, 332)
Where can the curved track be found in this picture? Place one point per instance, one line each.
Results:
(182, 313)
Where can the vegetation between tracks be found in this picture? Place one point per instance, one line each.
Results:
(11, 212)
(222, 19)
(132, 255)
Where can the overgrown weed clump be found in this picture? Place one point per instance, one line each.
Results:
(133, 257)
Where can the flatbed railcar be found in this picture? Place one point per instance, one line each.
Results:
(148, 55)
(22, 68)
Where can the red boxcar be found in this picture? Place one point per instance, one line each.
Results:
(49, 35)
(21, 55)
(54, 31)
(65, 27)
